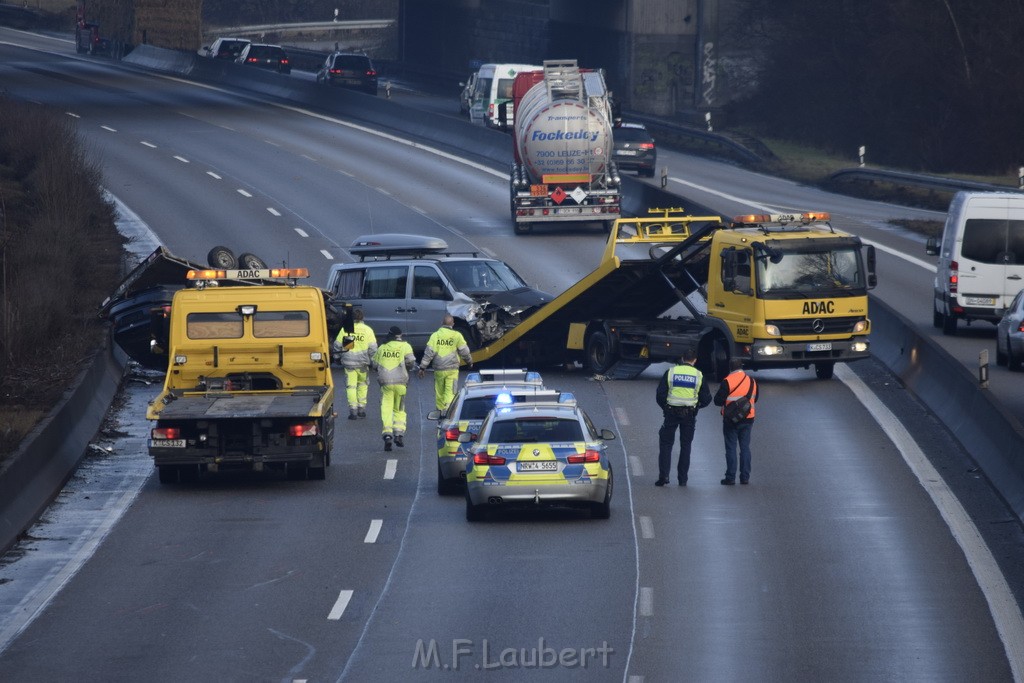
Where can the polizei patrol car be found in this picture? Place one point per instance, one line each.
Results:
(543, 451)
(465, 415)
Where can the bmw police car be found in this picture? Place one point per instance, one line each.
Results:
(465, 414)
(543, 451)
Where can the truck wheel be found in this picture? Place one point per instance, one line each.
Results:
(168, 474)
(251, 262)
(600, 354)
(824, 370)
(222, 257)
(523, 228)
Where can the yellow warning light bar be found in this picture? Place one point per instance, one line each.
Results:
(760, 218)
(249, 274)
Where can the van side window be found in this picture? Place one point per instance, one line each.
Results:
(349, 284)
(987, 240)
(1015, 241)
(385, 283)
(427, 284)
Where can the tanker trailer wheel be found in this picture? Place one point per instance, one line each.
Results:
(249, 261)
(600, 354)
(222, 257)
(523, 228)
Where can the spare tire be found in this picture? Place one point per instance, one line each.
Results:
(249, 261)
(222, 257)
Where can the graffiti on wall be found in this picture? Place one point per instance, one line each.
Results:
(707, 75)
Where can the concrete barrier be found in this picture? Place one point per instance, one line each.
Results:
(44, 461)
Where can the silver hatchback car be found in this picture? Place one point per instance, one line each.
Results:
(1010, 335)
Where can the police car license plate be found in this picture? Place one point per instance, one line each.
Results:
(980, 300)
(538, 466)
(169, 443)
(819, 346)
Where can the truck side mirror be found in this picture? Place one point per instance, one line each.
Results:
(931, 246)
(872, 277)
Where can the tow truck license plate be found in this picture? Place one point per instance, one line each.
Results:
(169, 443)
(819, 346)
(979, 301)
(538, 466)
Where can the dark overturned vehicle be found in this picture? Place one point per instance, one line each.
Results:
(411, 281)
(139, 309)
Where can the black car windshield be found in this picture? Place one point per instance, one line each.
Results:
(482, 276)
(809, 273)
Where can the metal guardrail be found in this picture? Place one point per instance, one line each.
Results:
(304, 26)
(917, 180)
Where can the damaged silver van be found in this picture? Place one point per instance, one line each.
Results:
(411, 281)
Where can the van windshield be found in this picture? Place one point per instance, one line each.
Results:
(482, 276)
(994, 241)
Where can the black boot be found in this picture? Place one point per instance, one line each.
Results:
(399, 441)
(387, 442)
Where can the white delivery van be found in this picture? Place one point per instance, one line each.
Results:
(981, 258)
(493, 87)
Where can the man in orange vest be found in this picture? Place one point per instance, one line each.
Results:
(736, 386)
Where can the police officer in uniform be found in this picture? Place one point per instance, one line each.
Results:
(681, 393)
(393, 361)
(446, 350)
(356, 361)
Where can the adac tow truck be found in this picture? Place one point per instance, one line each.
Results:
(777, 290)
(248, 383)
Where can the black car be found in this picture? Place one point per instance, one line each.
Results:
(634, 148)
(266, 57)
(349, 70)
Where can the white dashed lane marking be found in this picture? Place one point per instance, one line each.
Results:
(72, 114)
(327, 254)
(273, 211)
(636, 465)
(340, 604)
(108, 128)
(243, 192)
(646, 526)
(390, 468)
(373, 531)
(181, 159)
(147, 144)
(213, 175)
(302, 233)
(646, 602)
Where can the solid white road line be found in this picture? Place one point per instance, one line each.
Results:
(340, 604)
(390, 469)
(1001, 602)
(373, 531)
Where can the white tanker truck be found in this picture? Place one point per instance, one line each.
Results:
(563, 170)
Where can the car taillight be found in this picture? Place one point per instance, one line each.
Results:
(1020, 328)
(586, 456)
(490, 109)
(371, 72)
(303, 429)
(954, 276)
(252, 60)
(483, 458)
(452, 434)
(284, 61)
(167, 433)
(335, 71)
(646, 145)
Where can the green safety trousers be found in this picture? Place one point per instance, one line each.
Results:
(444, 388)
(392, 409)
(357, 386)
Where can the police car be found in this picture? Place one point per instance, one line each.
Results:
(465, 414)
(542, 451)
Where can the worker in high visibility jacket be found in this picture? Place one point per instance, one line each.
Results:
(737, 385)
(393, 361)
(681, 393)
(355, 351)
(446, 351)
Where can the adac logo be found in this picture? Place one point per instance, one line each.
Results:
(819, 307)
(391, 353)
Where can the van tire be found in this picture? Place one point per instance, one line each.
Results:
(948, 325)
(249, 261)
(222, 257)
(1012, 362)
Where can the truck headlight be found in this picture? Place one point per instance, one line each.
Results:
(859, 347)
(770, 350)
(316, 356)
(180, 359)
(860, 326)
(772, 330)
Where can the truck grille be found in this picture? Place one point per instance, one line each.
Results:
(806, 326)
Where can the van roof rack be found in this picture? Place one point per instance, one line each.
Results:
(393, 245)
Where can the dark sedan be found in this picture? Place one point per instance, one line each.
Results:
(634, 149)
(350, 71)
(265, 56)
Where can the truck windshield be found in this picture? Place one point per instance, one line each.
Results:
(810, 273)
(482, 276)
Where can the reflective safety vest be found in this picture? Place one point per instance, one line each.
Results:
(443, 350)
(745, 384)
(683, 385)
(393, 360)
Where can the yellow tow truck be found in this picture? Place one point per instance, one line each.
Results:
(248, 382)
(776, 290)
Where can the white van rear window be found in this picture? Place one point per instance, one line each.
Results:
(995, 241)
